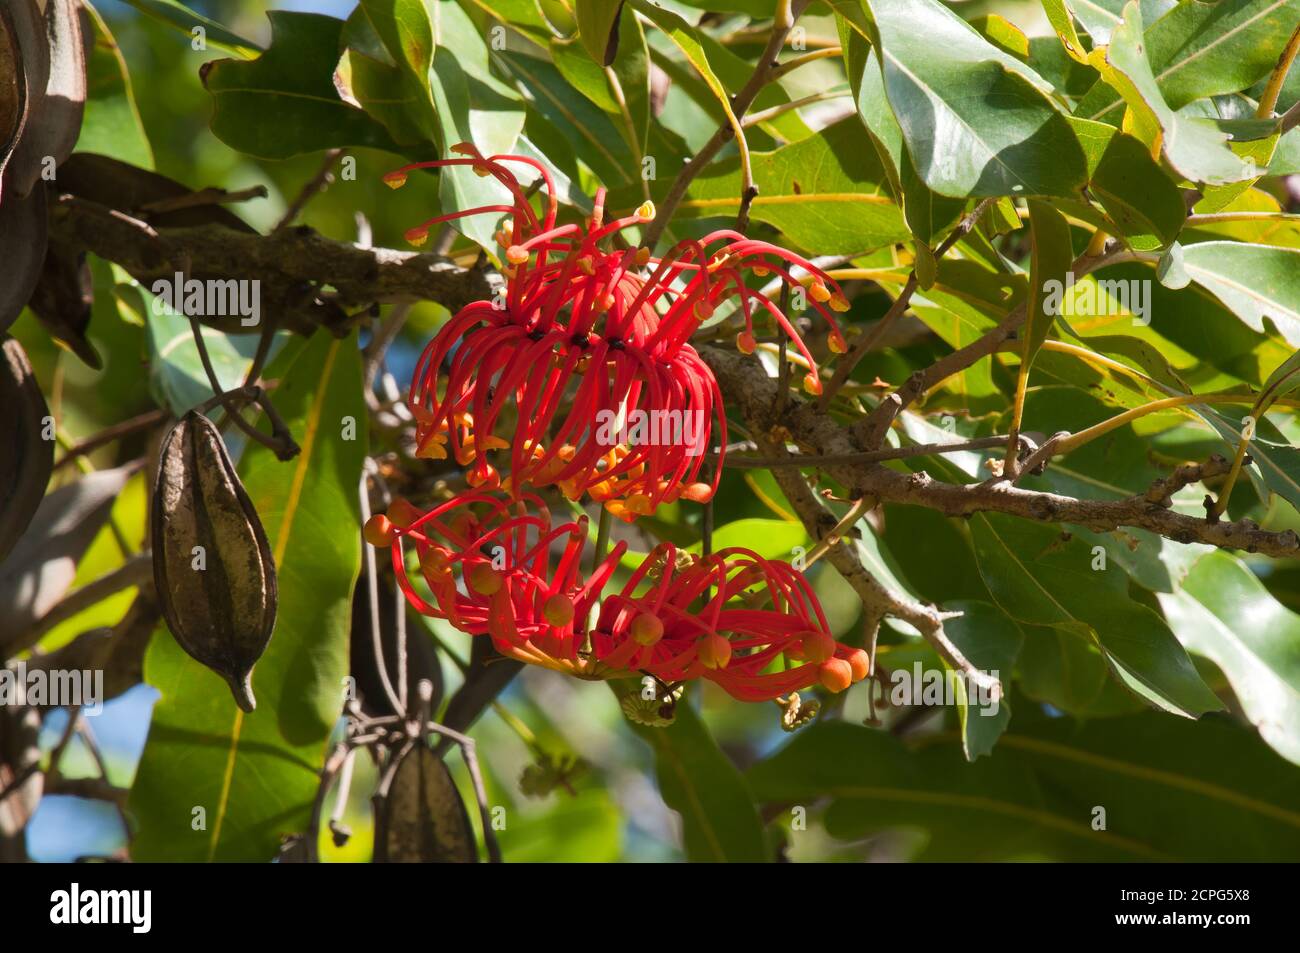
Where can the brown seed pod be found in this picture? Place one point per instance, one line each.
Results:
(212, 564)
(26, 457)
(420, 817)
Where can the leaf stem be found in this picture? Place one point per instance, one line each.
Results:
(1277, 78)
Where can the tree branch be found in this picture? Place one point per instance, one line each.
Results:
(746, 386)
(289, 263)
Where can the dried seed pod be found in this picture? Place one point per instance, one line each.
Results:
(421, 818)
(212, 564)
(26, 457)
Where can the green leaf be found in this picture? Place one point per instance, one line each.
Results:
(991, 642)
(406, 29)
(1193, 146)
(111, 124)
(1049, 261)
(927, 213)
(1253, 281)
(1099, 17)
(825, 193)
(597, 23)
(255, 775)
(284, 103)
(1208, 49)
(1036, 797)
(577, 119)
(1062, 21)
(1225, 614)
(1142, 203)
(186, 20)
(1041, 577)
(697, 780)
(471, 106)
(1071, 674)
(771, 539)
(691, 44)
(176, 374)
(976, 120)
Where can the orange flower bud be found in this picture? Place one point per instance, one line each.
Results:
(402, 513)
(379, 531)
(860, 663)
(436, 561)
(835, 674)
(646, 629)
(558, 610)
(817, 646)
(715, 651)
(697, 492)
(483, 579)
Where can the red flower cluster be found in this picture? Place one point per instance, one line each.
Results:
(751, 625)
(583, 370)
(589, 342)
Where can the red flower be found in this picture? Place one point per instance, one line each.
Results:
(590, 345)
(753, 626)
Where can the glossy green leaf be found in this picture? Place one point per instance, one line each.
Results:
(187, 21)
(1254, 281)
(991, 642)
(1041, 576)
(1208, 49)
(597, 24)
(692, 46)
(580, 121)
(1070, 673)
(1061, 18)
(111, 124)
(1225, 614)
(1036, 798)
(771, 539)
(719, 818)
(927, 213)
(826, 193)
(976, 120)
(284, 102)
(254, 776)
(471, 105)
(1193, 146)
(406, 29)
(1049, 264)
(1142, 203)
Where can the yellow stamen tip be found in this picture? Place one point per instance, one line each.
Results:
(646, 212)
(812, 384)
(395, 180)
(417, 236)
(516, 254)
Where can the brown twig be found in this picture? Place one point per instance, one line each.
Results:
(145, 421)
(746, 387)
(787, 13)
(844, 367)
(314, 187)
